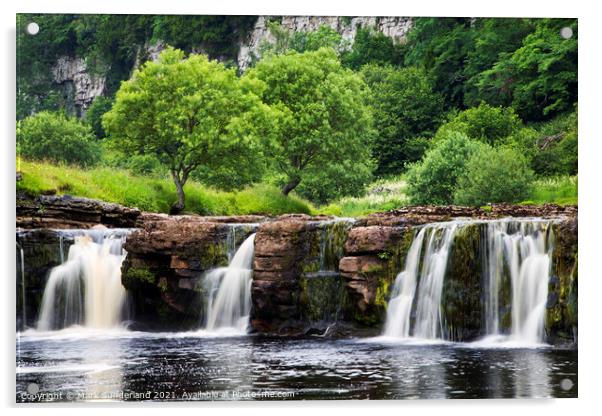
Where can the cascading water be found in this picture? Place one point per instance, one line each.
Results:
(519, 249)
(522, 250)
(432, 272)
(229, 291)
(86, 289)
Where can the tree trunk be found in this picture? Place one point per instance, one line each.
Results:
(291, 184)
(179, 205)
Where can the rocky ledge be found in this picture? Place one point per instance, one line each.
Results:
(52, 211)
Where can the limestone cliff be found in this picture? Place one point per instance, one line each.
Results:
(394, 27)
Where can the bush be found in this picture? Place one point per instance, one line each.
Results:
(556, 150)
(57, 138)
(433, 180)
(494, 175)
(484, 123)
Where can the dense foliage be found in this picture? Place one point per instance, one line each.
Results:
(484, 123)
(434, 179)
(93, 117)
(466, 110)
(321, 120)
(187, 113)
(494, 175)
(406, 110)
(56, 138)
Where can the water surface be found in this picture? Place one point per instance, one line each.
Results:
(120, 365)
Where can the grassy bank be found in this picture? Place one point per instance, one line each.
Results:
(157, 195)
(560, 190)
(150, 194)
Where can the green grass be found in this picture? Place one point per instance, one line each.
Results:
(153, 194)
(560, 190)
(382, 195)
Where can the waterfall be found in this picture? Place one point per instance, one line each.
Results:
(229, 291)
(402, 296)
(86, 289)
(522, 250)
(514, 251)
(432, 272)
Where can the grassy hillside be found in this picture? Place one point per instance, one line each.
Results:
(149, 194)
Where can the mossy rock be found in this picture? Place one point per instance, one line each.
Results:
(461, 299)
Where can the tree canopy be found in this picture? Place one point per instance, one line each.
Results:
(188, 113)
(322, 113)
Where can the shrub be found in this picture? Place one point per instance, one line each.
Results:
(433, 180)
(57, 138)
(494, 175)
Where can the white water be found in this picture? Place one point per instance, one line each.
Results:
(229, 292)
(519, 249)
(432, 272)
(523, 250)
(86, 289)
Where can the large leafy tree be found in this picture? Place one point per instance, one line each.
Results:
(539, 79)
(406, 109)
(188, 113)
(323, 118)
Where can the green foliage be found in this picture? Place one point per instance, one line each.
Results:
(441, 47)
(187, 113)
(494, 175)
(484, 123)
(556, 147)
(539, 79)
(153, 194)
(55, 137)
(332, 181)
(285, 40)
(382, 195)
(320, 116)
(434, 179)
(97, 109)
(405, 109)
(559, 190)
(372, 47)
(217, 36)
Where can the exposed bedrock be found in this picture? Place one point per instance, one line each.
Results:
(296, 285)
(166, 263)
(317, 275)
(52, 211)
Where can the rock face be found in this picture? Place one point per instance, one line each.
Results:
(80, 85)
(50, 211)
(393, 27)
(296, 285)
(166, 264)
(317, 275)
(373, 257)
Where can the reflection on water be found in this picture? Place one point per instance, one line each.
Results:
(138, 366)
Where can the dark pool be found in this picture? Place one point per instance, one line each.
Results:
(79, 365)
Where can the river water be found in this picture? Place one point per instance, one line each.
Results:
(82, 364)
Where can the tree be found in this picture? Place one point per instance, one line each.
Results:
(187, 113)
(97, 109)
(484, 123)
(370, 46)
(322, 115)
(405, 109)
(539, 79)
(494, 175)
(57, 138)
(434, 179)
